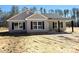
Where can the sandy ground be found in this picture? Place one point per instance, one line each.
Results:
(49, 43)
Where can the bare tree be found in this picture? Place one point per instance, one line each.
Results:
(59, 11)
(41, 10)
(33, 9)
(24, 9)
(45, 11)
(66, 12)
(51, 11)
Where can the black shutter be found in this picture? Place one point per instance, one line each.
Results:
(12, 26)
(31, 26)
(53, 25)
(72, 24)
(43, 24)
(23, 25)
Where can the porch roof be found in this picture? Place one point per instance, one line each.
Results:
(56, 17)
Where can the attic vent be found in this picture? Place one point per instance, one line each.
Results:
(49, 18)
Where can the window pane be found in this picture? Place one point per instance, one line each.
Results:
(20, 25)
(61, 24)
(40, 27)
(55, 25)
(15, 24)
(34, 27)
(34, 23)
(39, 23)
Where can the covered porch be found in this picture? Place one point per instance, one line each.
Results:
(59, 25)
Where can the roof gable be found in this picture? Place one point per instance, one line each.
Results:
(37, 16)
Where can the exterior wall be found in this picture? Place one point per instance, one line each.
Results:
(64, 26)
(46, 26)
(10, 26)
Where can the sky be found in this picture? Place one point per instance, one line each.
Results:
(8, 7)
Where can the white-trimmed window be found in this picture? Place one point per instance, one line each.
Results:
(54, 25)
(34, 24)
(61, 24)
(15, 25)
(18, 25)
(38, 25)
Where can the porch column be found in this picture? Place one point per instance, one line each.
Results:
(72, 25)
(58, 26)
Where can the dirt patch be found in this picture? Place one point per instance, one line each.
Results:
(49, 43)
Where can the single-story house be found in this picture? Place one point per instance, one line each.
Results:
(32, 23)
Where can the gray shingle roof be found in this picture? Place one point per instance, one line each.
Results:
(21, 16)
(52, 15)
(28, 13)
(56, 16)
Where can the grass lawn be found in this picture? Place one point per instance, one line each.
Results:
(46, 43)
